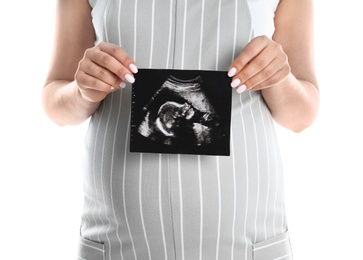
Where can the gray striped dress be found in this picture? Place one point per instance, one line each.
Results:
(161, 206)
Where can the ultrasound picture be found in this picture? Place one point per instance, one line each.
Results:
(181, 112)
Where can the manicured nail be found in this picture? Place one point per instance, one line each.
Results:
(235, 83)
(122, 84)
(231, 72)
(129, 78)
(241, 89)
(133, 68)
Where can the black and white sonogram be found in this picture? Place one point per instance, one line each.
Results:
(181, 112)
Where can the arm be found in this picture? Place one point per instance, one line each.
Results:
(81, 75)
(283, 68)
(295, 103)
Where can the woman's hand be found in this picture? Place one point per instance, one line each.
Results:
(261, 64)
(103, 69)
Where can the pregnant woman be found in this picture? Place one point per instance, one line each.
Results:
(175, 206)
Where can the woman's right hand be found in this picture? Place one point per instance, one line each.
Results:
(104, 68)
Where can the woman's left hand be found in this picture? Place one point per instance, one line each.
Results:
(261, 64)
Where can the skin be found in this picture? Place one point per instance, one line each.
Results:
(282, 68)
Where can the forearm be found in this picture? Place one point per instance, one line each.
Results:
(64, 104)
(293, 103)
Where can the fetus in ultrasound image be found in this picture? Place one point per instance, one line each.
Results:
(179, 118)
(179, 113)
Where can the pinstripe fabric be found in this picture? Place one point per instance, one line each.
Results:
(159, 206)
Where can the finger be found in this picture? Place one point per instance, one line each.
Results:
(88, 82)
(254, 48)
(98, 72)
(265, 64)
(259, 74)
(111, 64)
(120, 55)
(267, 78)
(257, 65)
(280, 63)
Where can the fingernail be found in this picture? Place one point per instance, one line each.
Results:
(133, 68)
(241, 89)
(129, 78)
(235, 83)
(122, 84)
(231, 72)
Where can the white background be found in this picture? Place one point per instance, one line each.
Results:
(40, 163)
